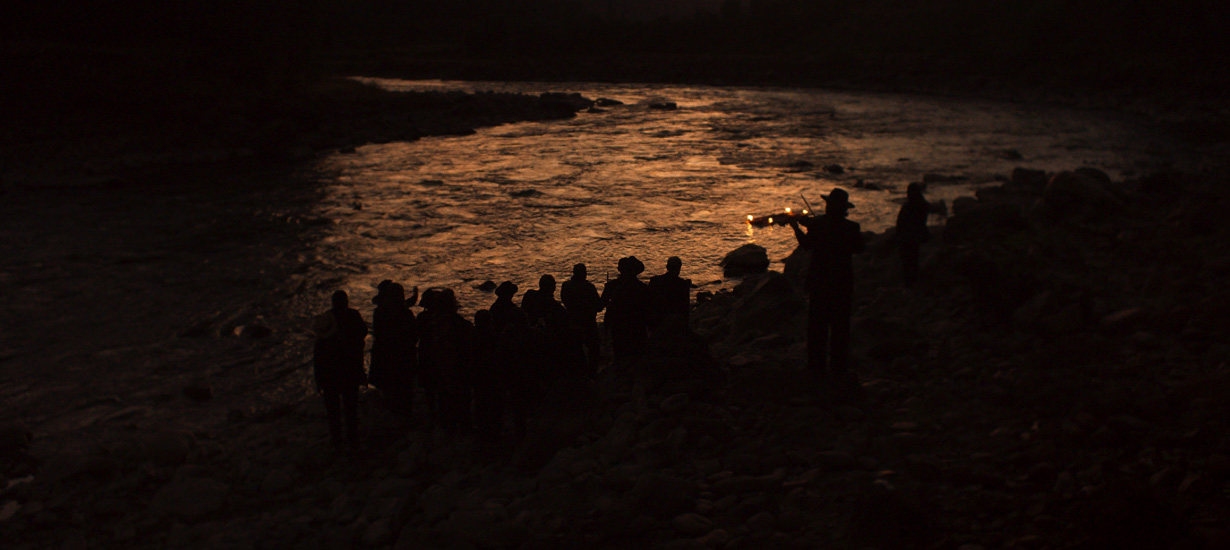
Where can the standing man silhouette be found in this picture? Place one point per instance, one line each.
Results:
(583, 303)
(912, 231)
(832, 240)
(670, 294)
(338, 365)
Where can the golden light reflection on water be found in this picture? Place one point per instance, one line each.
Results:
(520, 200)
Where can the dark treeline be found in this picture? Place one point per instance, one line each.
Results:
(1087, 42)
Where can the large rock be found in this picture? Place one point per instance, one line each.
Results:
(1031, 179)
(746, 260)
(189, 498)
(975, 221)
(1079, 193)
(765, 303)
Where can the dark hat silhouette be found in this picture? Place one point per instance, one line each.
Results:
(631, 266)
(838, 197)
(506, 288)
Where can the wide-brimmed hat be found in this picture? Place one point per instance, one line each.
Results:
(838, 197)
(631, 266)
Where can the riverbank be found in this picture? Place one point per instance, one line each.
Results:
(1054, 381)
(78, 116)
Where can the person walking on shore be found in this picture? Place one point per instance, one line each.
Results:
(832, 240)
(582, 302)
(912, 231)
(626, 300)
(338, 365)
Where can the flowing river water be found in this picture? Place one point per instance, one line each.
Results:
(516, 201)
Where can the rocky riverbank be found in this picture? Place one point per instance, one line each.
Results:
(1056, 380)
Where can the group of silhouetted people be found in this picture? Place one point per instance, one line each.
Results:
(476, 375)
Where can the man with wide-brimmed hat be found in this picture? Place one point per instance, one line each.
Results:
(832, 240)
(626, 300)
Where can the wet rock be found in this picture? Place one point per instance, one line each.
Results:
(199, 390)
(834, 169)
(664, 105)
(1074, 193)
(189, 498)
(607, 102)
(487, 286)
(1095, 174)
(745, 260)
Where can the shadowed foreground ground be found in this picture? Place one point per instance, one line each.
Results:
(1055, 381)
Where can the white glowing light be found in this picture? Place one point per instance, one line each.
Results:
(787, 209)
(770, 220)
(749, 217)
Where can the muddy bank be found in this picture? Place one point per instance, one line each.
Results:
(1054, 381)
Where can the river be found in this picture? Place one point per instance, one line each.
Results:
(516, 201)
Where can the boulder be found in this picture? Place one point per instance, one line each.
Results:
(664, 105)
(745, 260)
(1027, 178)
(979, 221)
(767, 301)
(1079, 194)
(607, 102)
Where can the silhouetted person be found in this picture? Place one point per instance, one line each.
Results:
(912, 231)
(338, 365)
(444, 346)
(832, 240)
(521, 351)
(540, 302)
(393, 348)
(627, 301)
(565, 353)
(582, 302)
(489, 376)
(380, 290)
(669, 293)
(503, 304)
